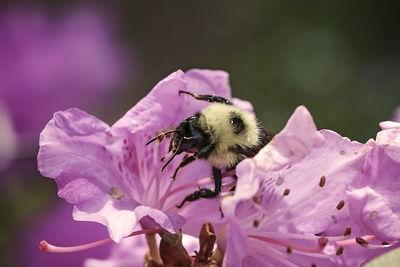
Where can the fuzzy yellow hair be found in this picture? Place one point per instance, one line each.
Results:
(216, 120)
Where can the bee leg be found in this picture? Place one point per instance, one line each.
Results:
(222, 213)
(234, 178)
(201, 193)
(217, 179)
(183, 164)
(208, 98)
(192, 197)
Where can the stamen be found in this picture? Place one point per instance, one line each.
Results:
(364, 242)
(384, 245)
(353, 241)
(321, 239)
(46, 247)
(288, 245)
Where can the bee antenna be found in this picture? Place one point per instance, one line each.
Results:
(186, 92)
(160, 136)
(152, 140)
(173, 155)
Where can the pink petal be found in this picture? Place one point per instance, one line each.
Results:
(120, 220)
(376, 206)
(295, 141)
(168, 221)
(374, 212)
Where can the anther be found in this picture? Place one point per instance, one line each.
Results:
(289, 249)
(313, 265)
(286, 192)
(322, 181)
(361, 241)
(256, 199)
(340, 205)
(256, 223)
(373, 214)
(116, 193)
(339, 251)
(347, 231)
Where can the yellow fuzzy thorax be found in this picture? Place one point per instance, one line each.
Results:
(216, 121)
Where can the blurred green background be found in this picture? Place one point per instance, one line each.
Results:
(341, 59)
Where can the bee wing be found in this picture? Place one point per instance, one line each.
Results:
(265, 137)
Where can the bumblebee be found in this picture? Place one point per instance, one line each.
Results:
(221, 133)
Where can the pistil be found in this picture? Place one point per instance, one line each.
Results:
(46, 247)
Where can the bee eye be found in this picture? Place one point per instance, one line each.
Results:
(237, 123)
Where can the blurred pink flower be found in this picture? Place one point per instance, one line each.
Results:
(396, 116)
(56, 225)
(8, 139)
(48, 64)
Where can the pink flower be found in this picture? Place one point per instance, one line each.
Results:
(290, 205)
(377, 204)
(48, 64)
(307, 198)
(113, 178)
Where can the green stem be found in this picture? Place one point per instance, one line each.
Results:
(153, 248)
